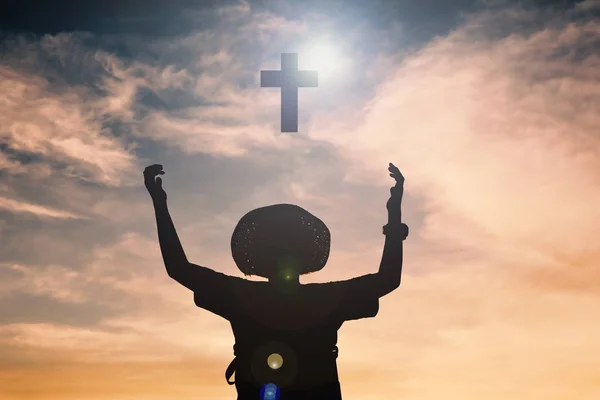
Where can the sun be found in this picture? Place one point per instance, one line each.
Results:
(322, 57)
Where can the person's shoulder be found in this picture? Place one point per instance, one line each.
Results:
(319, 286)
(219, 281)
(243, 286)
(324, 286)
(323, 291)
(363, 279)
(337, 289)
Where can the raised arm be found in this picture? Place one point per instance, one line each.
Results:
(390, 269)
(177, 265)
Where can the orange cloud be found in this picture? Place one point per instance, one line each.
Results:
(58, 126)
(35, 209)
(496, 132)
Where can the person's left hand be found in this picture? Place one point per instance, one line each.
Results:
(397, 191)
(396, 174)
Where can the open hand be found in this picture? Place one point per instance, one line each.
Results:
(153, 182)
(396, 174)
(396, 192)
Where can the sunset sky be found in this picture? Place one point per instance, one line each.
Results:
(491, 109)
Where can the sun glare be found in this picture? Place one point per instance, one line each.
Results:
(321, 57)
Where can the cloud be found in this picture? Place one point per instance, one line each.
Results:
(120, 266)
(507, 146)
(200, 93)
(35, 209)
(588, 5)
(60, 127)
(54, 281)
(494, 127)
(497, 136)
(81, 342)
(126, 287)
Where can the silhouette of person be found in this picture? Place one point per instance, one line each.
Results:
(285, 332)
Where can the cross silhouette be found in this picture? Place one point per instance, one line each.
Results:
(289, 79)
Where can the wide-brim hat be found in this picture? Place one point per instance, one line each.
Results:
(268, 236)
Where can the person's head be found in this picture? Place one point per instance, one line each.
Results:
(280, 242)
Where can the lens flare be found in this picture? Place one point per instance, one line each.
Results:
(270, 391)
(275, 361)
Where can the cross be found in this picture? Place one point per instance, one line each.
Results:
(289, 79)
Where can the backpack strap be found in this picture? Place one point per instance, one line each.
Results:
(232, 365)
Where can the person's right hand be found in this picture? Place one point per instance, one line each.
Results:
(154, 183)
